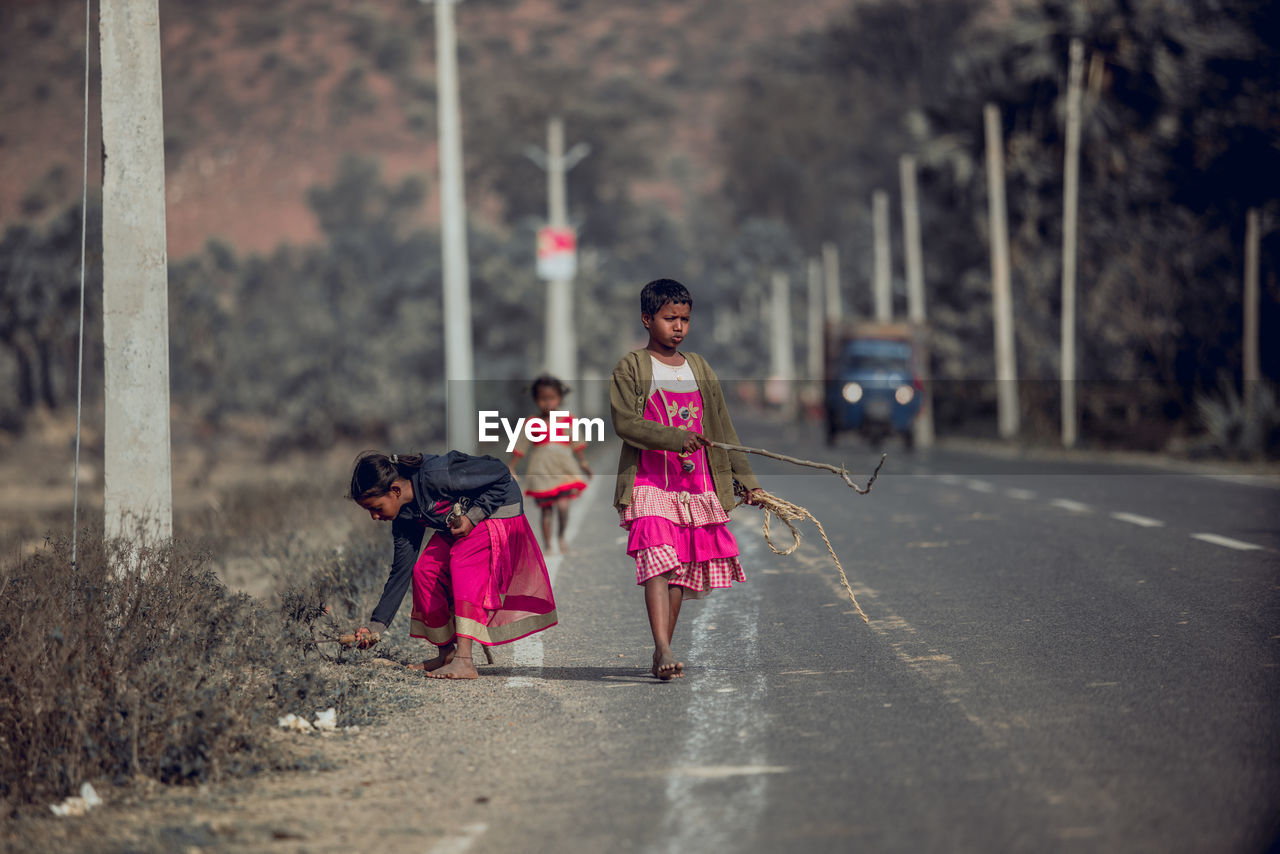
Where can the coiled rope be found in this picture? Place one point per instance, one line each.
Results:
(788, 513)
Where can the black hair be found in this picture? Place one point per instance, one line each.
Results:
(547, 379)
(659, 292)
(374, 472)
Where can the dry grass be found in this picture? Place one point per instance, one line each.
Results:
(145, 664)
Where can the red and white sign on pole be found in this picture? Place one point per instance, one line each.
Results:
(557, 253)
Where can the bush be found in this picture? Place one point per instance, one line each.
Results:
(143, 663)
(1227, 429)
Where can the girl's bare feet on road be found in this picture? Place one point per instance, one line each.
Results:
(445, 656)
(665, 666)
(564, 547)
(459, 668)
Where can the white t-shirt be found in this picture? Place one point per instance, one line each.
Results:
(672, 378)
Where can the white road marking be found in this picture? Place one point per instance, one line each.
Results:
(980, 486)
(1020, 494)
(718, 793)
(1135, 519)
(527, 652)
(719, 772)
(1265, 481)
(460, 841)
(1068, 504)
(1218, 540)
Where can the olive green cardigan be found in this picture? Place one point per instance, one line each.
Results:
(628, 394)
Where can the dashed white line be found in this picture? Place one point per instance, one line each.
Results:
(725, 771)
(461, 840)
(1218, 540)
(980, 486)
(1135, 519)
(1020, 494)
(1068, 504)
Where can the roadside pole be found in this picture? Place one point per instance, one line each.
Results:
(458, 368)
(559, 263)
(782, 368)
(831, 275)
(882, 291)
(138, 495)
(815, 344)
(1001, 290)
(1070, 206)
(1252, 370)
(915, 293)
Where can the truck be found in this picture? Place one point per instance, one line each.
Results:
(872, 380)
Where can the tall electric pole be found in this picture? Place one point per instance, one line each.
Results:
(560, 333)
(1008, 415)
(914, 251)
(138, 496)
(816, 312)
(782, 366)
(1252, 370)
(1070, 207)
(831, 277)
(883, 291)
(458, 368)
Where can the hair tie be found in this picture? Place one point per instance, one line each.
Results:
(395, 459)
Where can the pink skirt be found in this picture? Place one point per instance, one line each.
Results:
(491, 585)
(683, 537)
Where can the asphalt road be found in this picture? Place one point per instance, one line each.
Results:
(1061, 656)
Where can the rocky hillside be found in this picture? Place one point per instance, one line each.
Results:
(262, 100)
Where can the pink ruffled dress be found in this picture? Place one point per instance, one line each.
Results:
(675, 522)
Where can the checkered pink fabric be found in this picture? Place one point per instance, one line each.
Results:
(697, 577)
(683, 508)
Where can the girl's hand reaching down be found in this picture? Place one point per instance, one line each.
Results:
(366, 638)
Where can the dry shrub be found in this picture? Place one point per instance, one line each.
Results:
(144, 663)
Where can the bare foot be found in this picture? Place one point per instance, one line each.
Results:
(665, 666)
(459, 668)
(445, 656)
(564, 546)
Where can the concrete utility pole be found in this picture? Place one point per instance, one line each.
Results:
(782, 366)
(560, 334)
(914, 251)
(1002, 291)
(816, 299)
(831, 273)
(459, 371)
(1070, 206)
(138, 497)
(883, 283)
(1252, 370)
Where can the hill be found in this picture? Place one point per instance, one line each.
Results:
(262, 100)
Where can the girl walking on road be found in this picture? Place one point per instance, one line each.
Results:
(674, 488)
(479, 578)
(556, 464)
